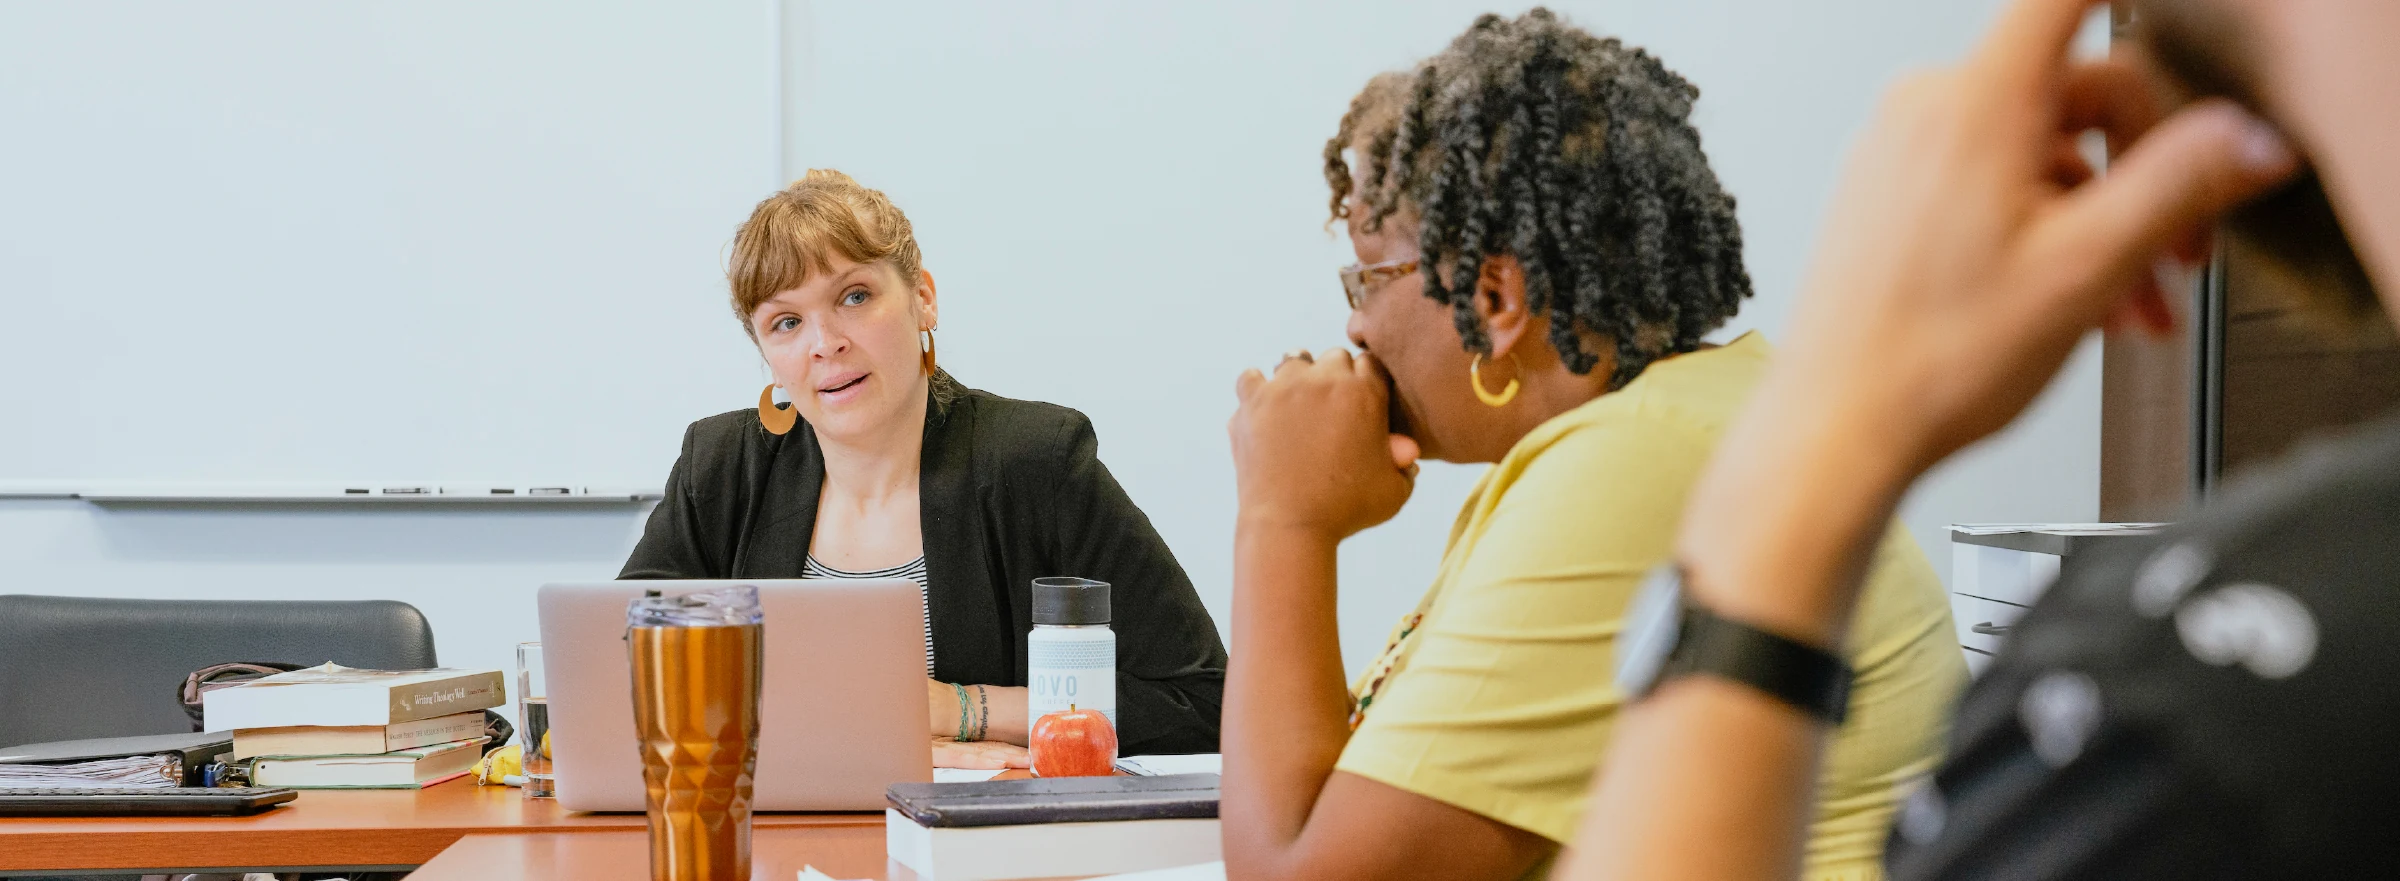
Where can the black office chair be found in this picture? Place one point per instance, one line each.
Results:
(73, 667)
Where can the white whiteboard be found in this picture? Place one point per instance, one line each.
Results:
(298, 241)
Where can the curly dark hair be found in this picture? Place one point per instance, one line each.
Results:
(1575, 154)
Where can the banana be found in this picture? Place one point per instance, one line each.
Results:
(502, 763)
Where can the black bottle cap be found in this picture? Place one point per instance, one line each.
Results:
(1070, 601)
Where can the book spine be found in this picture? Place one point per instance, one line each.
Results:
(443, 729)
(426, 700)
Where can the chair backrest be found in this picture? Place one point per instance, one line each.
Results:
(76, 667)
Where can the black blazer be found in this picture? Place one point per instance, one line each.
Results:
(1008, 491)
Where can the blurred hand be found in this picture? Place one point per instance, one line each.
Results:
(988, 755)
(1969, 247)
(1312, 446)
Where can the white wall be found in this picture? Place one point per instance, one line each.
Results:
(1124, 207)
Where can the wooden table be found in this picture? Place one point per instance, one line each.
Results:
(329, 830)
(776, 854)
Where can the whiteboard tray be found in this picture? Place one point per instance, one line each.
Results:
(364, 493)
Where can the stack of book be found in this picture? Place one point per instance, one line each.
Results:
(334, 727)
(1055, 827)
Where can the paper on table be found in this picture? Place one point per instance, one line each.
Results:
(810, 873)
(1161, 766)
(963, 775)
(1200, 872)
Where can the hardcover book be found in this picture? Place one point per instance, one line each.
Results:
(323, 740)
(405, 769)
(1062, 827)
(334, 695)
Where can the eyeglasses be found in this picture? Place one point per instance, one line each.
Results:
(1357, 280)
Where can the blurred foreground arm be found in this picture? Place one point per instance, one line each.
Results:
(1968, 251)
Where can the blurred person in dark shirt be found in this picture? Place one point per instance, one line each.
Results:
(2209, 704)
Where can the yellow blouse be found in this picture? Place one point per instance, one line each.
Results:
(1495, 695)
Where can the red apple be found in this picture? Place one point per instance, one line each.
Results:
(1074, 743)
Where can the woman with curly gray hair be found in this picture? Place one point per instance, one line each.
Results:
(1542, 247)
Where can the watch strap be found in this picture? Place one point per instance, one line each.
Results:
(1815, 681)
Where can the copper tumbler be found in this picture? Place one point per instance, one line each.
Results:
(697, 661)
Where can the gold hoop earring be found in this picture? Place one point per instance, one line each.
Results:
(773, 419)
(1490, 399)
(929, 363)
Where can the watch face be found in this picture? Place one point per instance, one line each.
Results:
(1651, 627)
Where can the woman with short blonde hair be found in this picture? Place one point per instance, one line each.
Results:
(879, 464)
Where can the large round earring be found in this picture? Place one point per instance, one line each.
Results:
(929, 363)
(1490, 399)
(773, 419)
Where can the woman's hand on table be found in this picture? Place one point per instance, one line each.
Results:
(994, 712)
(983, 755)
(1312, 447)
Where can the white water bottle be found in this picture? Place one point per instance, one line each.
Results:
(1071, 655)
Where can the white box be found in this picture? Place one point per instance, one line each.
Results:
(1048, 850)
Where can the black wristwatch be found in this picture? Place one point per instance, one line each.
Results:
(1667, 636)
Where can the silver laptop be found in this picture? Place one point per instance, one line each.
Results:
(842, 710)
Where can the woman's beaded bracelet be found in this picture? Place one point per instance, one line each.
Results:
(962, 712)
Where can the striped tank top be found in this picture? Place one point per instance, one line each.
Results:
(913, 570)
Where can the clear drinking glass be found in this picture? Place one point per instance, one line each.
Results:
(533, 721)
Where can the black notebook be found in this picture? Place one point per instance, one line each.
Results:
(1056, 800)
